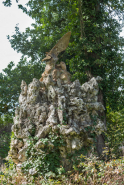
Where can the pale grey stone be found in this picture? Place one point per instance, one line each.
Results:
(32, 171)
(21, 154)
(51, 93)
(42, 133)
(76, 144)
(57, 106)
(23, 95)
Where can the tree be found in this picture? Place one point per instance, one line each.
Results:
(10, 83)
(95, 47)
(115, 131)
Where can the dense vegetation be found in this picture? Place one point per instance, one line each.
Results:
(95, 48)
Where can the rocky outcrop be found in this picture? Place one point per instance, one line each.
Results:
(55, 115)
(53, 106)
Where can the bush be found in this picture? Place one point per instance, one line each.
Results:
(115, 131)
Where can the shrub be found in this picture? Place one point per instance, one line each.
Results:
(115, 131)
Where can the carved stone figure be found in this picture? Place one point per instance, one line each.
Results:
(57, 71)
(61, 45)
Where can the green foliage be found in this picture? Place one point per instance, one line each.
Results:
(115, 131)
(7, 171)
(5, 120)
(91, 130)
(7, 3)
(12, 135)
(92, 171)
(47, 159)
(4, 143)
(10, 83)
(95, 46)
(5, 134)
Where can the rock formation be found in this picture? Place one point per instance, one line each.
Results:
(51, 105)
(54, 104)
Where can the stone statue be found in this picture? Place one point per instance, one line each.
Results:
(61, 45)
(57, 71)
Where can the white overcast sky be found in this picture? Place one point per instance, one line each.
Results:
(9, 17)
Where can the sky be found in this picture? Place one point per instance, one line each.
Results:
(9, 17)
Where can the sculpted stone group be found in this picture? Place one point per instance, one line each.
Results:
(55, 103)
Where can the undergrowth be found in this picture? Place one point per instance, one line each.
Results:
(45, 160)
(90, 172)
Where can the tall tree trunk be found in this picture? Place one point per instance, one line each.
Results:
(100, 145)
(80, 3)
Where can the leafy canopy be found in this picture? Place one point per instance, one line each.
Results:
(10, 83)
(95, 46)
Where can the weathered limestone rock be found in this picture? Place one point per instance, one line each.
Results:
(64, 108)
(54, 105)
